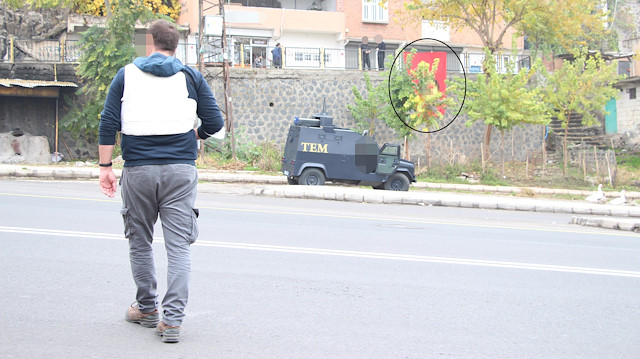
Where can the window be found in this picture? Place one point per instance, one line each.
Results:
(373, 11)
(390, 150)
(632, 93)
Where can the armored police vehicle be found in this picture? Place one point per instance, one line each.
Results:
(317, 151)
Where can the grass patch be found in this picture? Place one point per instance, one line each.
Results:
(630, 161)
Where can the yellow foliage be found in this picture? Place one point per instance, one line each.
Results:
(169, 8)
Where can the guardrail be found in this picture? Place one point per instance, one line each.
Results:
(42, 51)
(260, 56)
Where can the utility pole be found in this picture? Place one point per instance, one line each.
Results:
(228, 112)
(227, 82)
(201, 56)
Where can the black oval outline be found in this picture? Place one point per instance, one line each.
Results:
(389, 85)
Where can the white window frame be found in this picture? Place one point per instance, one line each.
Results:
(372, 11)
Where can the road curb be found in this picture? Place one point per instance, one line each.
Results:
(276, 186)
(631, 225)
(445, 199)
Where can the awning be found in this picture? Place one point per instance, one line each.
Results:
(34, 83)
(33, 88)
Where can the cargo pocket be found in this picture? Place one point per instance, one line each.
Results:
(126, 219)
(195, 213)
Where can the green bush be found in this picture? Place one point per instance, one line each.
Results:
(264, 156)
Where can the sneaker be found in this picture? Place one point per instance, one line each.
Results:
(147, 320)
(169, 333)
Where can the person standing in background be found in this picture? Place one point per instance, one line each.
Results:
(381, 51)
(277, 56)
(366, 50)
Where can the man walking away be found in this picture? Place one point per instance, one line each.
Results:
(277, 56)
(154, 102)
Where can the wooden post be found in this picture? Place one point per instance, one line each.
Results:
(595, 155)
(544, 151)
(584, 165)
(615, 162)
(482, 156)
(11, 49)
(608, 168)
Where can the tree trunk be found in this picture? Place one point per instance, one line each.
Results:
(487, 142)
(565, 150)
(427, 149)
(544, 151)
(406, 148)
(107, 6)
(502, 154)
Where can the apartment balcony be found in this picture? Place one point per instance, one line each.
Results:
(276, 22)
(311, 5)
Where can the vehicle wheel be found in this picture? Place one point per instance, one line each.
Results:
(397, 182)
(292, 181)
(311, 177)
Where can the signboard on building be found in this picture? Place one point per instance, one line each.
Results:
(213, 25)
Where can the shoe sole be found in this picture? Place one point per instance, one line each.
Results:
(170, 335)
(149, 321)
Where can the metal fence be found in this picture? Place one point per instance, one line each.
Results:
(42, 51)
(260, 56)
(504, 63)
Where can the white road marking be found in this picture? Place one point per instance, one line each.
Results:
(345, 253)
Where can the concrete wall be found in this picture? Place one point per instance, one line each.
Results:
(628, 115)
(628, 110)
(265, 102)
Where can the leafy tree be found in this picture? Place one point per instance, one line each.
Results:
(104, 50)
(398, 86)
(504, 100)
(581, 87)
(407, 99)
(552, 20)
(377, 104)
(38, 3)
(426, 105)
(370, 108)
(170, 8)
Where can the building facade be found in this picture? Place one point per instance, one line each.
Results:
(328, 34)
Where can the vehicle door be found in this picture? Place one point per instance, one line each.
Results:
(388, 159)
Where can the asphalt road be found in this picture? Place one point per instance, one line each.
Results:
(289, 278)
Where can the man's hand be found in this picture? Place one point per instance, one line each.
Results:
(196, 131)
(108, 182)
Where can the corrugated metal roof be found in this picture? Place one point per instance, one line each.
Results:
(34, 83)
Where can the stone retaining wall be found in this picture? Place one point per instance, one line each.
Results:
(265, 102)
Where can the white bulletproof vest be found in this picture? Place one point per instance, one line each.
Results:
(153, 105)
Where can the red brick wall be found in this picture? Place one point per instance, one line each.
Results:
(401, 28)
(394, 31)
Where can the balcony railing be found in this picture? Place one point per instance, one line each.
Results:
(260, 56)
(42, 51)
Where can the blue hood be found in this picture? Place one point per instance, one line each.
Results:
(159, 65)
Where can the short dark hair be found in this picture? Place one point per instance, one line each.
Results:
(165, 35)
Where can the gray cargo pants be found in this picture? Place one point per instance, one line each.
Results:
(168, 191)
